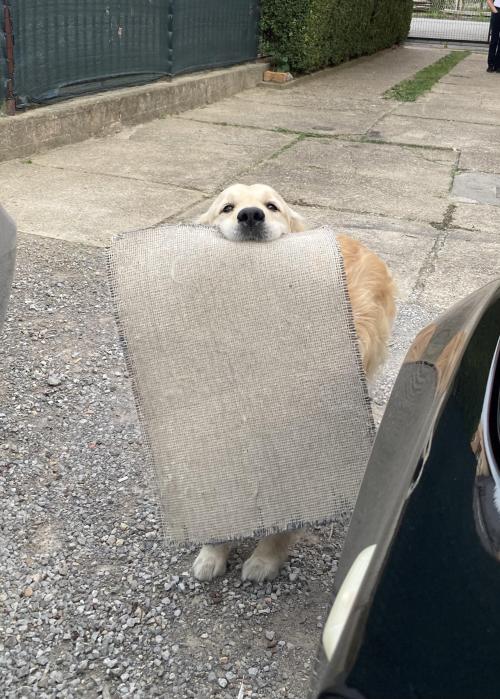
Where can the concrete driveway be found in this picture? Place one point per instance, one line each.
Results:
(384, 171)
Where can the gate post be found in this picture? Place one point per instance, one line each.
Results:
(170, 37)
(10, 100)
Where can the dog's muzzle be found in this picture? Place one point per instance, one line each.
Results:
(251, 223)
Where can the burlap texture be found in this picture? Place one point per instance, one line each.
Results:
(247, 378)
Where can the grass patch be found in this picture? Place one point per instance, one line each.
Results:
(409, 90)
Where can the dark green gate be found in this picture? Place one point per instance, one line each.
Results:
(62, 48)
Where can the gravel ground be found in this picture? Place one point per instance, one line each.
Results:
(92, 601)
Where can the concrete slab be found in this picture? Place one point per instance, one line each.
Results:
(265, 114)
(461, 86)
(341, 100)
(366, 178)
(171, 151)
(466, 94)
(453, 107)
(82, 207)
(467, 261)
(436, 132)
(477, 217)
(469, 67)
(96, 115)
(472, 79)
(479, 159)
(323, 95)
(368, 76)
(479, 187)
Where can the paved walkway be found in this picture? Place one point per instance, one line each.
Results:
(381, 170)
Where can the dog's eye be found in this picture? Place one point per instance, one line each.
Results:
(271, 206)
(227, 209)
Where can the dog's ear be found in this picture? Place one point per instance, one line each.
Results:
(204, 218)
(211, 213)
(297, 222)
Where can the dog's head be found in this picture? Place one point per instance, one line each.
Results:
(252, 212)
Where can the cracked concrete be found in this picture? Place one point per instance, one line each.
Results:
(363, 177)
(85, 207)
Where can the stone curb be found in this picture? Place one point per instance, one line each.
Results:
(107, 112)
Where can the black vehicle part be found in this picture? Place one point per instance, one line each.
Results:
(7, 260)
(425, 621)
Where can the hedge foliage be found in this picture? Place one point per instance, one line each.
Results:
(305, 35)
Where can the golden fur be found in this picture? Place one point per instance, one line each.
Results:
(371, 291)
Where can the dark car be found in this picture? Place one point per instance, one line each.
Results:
(417, 595)
(7, 259)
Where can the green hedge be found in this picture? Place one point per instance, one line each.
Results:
(305, 35)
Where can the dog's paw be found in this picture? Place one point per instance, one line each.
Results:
(210, 563)
(258, 568)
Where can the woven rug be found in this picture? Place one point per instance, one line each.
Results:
(247, 378)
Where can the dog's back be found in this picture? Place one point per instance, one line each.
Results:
(372, 292)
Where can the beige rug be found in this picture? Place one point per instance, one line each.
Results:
(247, 378)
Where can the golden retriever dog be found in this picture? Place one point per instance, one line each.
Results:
(258, 212)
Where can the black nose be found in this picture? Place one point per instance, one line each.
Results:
(251, 216)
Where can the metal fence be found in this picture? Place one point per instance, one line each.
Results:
(451, 20)
(59, 48)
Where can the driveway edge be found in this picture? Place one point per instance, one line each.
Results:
(76, 120)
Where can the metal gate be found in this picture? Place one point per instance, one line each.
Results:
(451, 20)
(61, 48)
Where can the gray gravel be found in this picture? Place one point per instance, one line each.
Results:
(93, 603)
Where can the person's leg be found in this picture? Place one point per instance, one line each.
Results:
(493, 50)
(496, 64)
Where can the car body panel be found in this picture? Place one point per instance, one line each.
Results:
(7, 259)
(426, 622)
